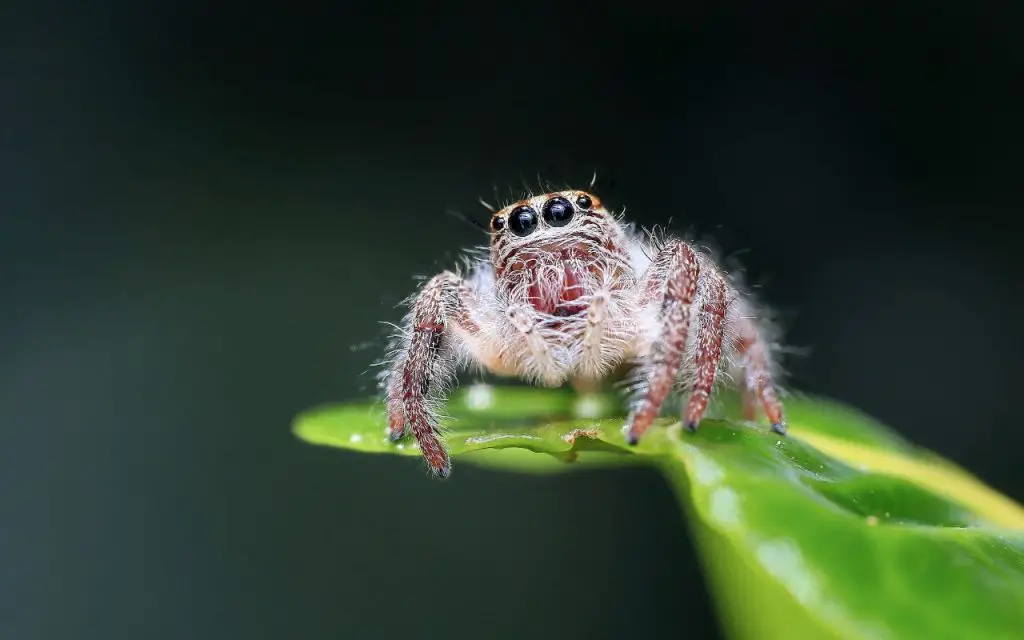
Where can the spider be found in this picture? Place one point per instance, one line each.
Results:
(567, 291)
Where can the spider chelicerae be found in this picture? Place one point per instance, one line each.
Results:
(569, 292)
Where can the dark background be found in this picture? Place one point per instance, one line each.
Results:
(206, 210)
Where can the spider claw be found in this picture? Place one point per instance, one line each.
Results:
(443, 471)
(779, 428)
(690, 426)
(395, 436)
(632, 439)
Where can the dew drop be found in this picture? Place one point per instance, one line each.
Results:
(480, 396)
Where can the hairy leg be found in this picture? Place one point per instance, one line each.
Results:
(759, 387)
(709, 350)
(749, 405)
(442, 306)
(524, 319)
(665, 358)
(597, 319)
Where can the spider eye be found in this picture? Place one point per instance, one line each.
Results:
(583, 201)
(522, 221)
(497, 223)
(558, 211)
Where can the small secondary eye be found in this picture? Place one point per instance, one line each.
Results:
(522, 221)
(583, 201)
(497, 223)
(558, 211)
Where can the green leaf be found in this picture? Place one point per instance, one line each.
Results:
(843, 529)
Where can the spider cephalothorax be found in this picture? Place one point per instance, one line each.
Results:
(570, 293)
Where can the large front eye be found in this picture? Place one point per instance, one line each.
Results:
(522, 221)
(558, 212)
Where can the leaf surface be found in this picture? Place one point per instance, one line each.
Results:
(841, 529)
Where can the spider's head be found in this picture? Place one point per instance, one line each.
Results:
(548, 221)
(551, 250)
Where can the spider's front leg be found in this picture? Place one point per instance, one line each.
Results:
(679, 268)
(441, 314)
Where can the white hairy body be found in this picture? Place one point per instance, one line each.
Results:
(575, 298)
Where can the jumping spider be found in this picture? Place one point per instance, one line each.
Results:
(568, 292)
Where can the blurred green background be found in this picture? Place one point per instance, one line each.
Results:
(208, 209)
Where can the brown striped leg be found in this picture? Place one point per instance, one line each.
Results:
(709, 351)
(444, 301)
(759, 384)
(666, 354)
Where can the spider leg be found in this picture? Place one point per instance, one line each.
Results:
(593, 335)
(662, 366)
(758, 379)
(541, 362)
(440, 315)
(749, 405)
(709, 350)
